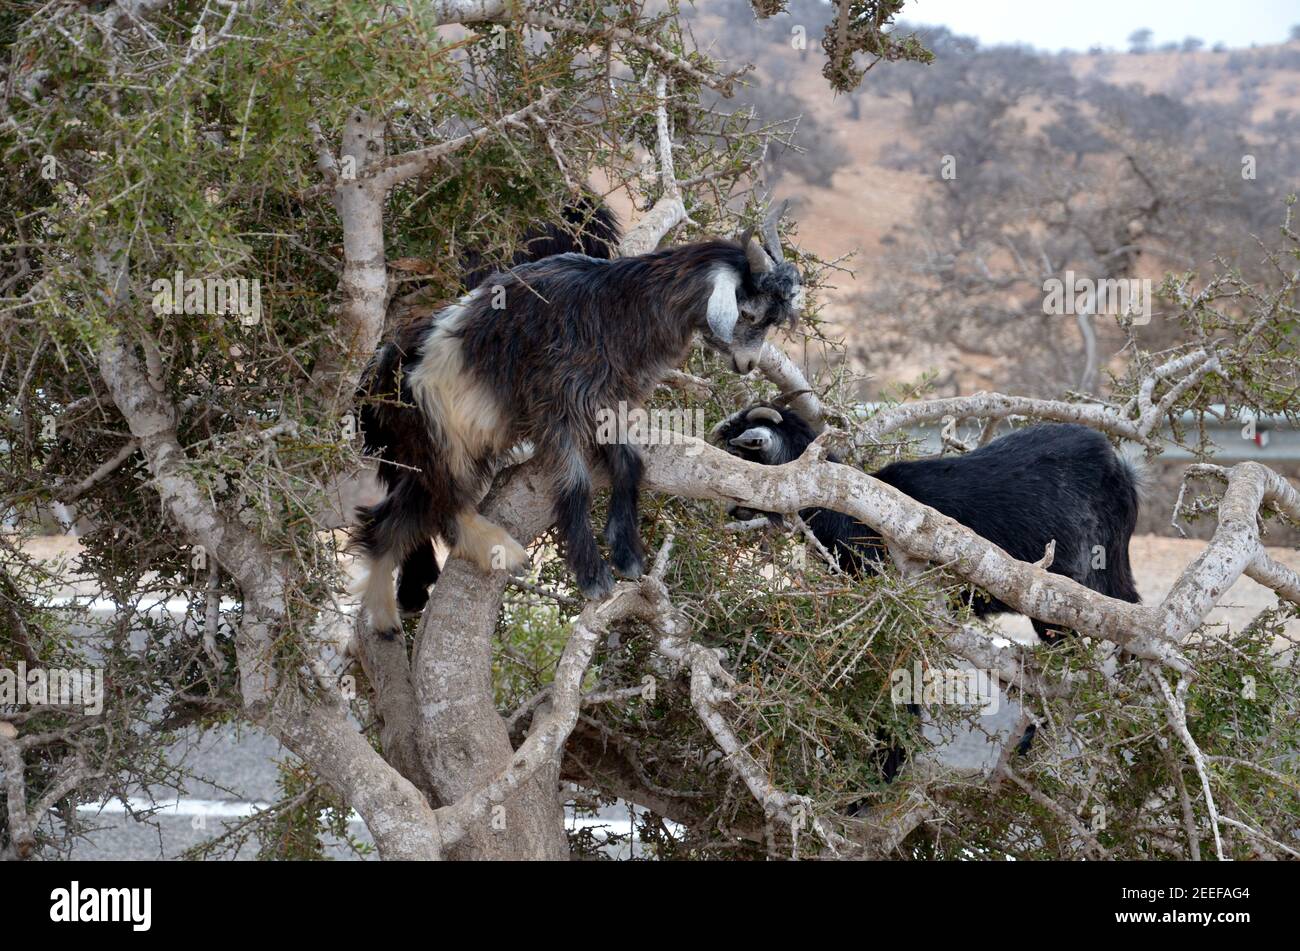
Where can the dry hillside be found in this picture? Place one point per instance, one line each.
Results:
(871, 169)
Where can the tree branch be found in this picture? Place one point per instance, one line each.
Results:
(669, 211)
(316, 730)
(1108, 419)
(393, 171)
(696, 470)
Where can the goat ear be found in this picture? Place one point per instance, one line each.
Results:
(723, 310)
(715, 436)
(795, 303)
(759, 413)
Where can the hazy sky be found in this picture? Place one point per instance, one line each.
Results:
(1079, 24)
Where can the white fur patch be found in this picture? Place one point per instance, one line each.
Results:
(723, 312)
(463, 411)
(487, 544)
(378, 596)
(776, 447)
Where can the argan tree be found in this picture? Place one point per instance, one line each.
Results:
(323, 171)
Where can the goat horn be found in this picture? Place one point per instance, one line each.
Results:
(764, 413)
(758, 259)
(771, 239)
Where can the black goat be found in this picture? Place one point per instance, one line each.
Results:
(1047, 482)
(533, 355)
(589, 227)
(1021, 491)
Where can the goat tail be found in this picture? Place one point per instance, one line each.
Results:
(382, 373)
(381, 382)
(1116, 579)
(1134, 461)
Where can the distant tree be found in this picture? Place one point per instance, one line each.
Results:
(1115, 174)
(997, 78)
(1294, 35)
(1192, 44)
(772, 92)
(1139, 41)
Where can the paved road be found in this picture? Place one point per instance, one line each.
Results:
(235, 774)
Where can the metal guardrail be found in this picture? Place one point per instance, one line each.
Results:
(1274, 440)
(1271, 439)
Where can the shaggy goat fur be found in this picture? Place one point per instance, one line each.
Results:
(532, 355)
(589, 227)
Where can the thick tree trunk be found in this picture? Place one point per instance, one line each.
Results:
(463, 738)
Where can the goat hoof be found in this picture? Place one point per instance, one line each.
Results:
(631, 571)
(411, 603)
(599, 587)
(511, 556)
(629, 564)
(489, 545)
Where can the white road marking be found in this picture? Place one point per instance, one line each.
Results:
(189, 808)
(183, 807)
